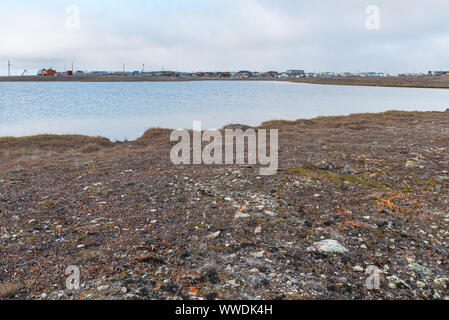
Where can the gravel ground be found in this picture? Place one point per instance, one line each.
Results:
(402, 81)
(139, 227)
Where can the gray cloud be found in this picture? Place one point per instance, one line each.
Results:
(231, 35)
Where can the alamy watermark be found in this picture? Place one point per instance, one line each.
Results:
(372, 21)
(212, 153)
(72, 282)
(73, 21)
(373, 280)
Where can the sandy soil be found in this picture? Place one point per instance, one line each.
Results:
(138, 226)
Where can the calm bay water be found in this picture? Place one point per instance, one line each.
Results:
(119, 110)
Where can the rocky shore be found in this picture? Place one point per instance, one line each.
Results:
(352, 193)
(402, 81)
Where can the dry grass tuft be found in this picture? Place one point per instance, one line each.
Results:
(9, 289)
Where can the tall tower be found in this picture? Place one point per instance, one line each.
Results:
(9, 68)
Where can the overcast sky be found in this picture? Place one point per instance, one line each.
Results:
(212, 35)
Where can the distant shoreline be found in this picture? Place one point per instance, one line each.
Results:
(436, 82)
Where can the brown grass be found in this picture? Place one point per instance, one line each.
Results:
(9, 289)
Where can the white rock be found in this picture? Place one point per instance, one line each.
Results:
(358, 268)
(258, 254)
(101, 288)
(270, 213)
(214, 235)
(327, 245)
(239, 215)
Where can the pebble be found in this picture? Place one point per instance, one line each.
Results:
(214, 235)
(420, 284)
(358, 268)
(239, 215)
(327, 245)
(258, 254)
(270, 213)
(441, 281)
(101, 288)
(420, 269)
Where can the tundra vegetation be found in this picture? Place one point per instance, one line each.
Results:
(139, 226)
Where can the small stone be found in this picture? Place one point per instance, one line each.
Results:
(420, 269)
(358, 268)
(101, 288)
(270, 213)
(441, 282)
(43, 295)
(239, 215)
(329, 246)
(411, 164)
(258, 230)
(442, 178)
(348, 170)
(258, 254)
(232, 282)
(214, 235)
(420, 284)
(324, 166)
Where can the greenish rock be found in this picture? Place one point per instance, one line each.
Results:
(420, 269)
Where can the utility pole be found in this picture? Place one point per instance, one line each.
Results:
(9, 68)
(72, 67)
